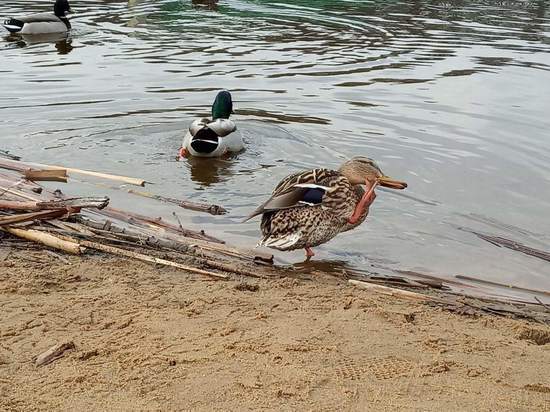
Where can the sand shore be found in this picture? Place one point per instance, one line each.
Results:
(151, 338)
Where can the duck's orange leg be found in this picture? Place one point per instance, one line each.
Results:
(364, 203)
(309, 253)
(182, 152)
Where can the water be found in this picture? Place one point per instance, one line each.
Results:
(451, 96)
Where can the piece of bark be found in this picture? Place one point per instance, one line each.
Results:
(55, 352)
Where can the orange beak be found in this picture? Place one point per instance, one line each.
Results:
(391, 183)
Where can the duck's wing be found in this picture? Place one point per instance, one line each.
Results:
(197, 125)
(40, 18)
(222, 127)
(296, 190)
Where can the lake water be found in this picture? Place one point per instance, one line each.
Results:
(451, 96)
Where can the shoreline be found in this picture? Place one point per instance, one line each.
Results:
(156, 338)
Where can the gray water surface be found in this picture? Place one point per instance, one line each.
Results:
(451, 96)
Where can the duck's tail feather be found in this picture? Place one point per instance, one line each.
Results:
(281, 243)
(13, 25)
(205, 140)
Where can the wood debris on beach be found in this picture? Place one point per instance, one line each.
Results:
(86, 225)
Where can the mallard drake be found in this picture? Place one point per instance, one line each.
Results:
(42, 23)
(309, 208)
(213, 137)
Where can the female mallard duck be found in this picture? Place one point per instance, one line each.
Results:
(213, 137)
(42, 23)
(309, 208)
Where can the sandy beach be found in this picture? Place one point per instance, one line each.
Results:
(152, 338)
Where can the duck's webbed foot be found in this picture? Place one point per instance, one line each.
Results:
(309, 253)
(182, 152)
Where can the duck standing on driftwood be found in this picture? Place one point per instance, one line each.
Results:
(42, 23)
(213, 137)
(309, 208)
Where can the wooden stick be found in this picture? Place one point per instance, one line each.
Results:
(147, 258)
(503, 285)
(157, 224)
(544, 305)
(55, 352)
(186, 204)
(77, 203)
(385, 290)
(21, 167)
(178, 243)
(16, 193)
(37, 175)
(46, 239)
(25, 217)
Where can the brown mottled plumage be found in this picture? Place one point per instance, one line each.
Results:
(309, 208)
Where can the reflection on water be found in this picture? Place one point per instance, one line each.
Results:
(207, 171)
(61, 41)
(209, 4)
(452, 96)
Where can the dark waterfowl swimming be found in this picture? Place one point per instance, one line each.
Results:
(213, 137)
(42, 23)
(309, 208)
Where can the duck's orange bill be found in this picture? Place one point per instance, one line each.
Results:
(391, 183)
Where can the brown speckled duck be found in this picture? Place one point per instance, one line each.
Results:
(309, 208)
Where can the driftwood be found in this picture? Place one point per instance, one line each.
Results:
(512, 244)
(46, 239)
(385, 290)
(16, 192)
(503, 285)
(22, 167)
(26, 217)
(157, 223)
(186, 204)
(73, 203)
(19, 182)
(37, 175)
(6, 153)
(55, 352)
(147, 258)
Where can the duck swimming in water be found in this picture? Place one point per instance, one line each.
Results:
(213, 137)
(309, 208)
(42, 23)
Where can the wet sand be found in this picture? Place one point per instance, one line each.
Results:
(151, 338)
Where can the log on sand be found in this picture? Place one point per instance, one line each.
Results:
(46, 239)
